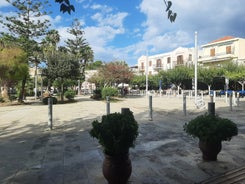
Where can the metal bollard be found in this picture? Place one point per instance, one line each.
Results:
(238, 100)
(107, 104)
(211, 106)
(211, 98)
(150, 108)
(184, 104)
(50, 113)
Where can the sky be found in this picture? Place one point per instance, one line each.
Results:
(124, 30)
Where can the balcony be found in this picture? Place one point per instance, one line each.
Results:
(141, 69)
(221, 56)
(157, 67)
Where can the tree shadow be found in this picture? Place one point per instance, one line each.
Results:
(66, 154)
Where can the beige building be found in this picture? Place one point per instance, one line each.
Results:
(153, 64)
(223, 50)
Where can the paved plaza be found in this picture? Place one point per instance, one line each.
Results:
(30, 153)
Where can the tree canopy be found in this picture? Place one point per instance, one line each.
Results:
(13, 67)
(27, 25)
(112, 73)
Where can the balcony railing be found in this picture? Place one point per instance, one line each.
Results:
(218, 55)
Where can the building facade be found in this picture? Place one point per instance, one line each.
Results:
(215, 53)
(223, 50)
(151, 65)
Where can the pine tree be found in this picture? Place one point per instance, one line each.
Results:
(27, 25)
(78, 47)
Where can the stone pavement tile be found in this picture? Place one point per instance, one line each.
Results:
(75, 172)
(51, 175)
(23, 177)
(164, 154)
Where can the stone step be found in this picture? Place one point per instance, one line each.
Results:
(236, 176)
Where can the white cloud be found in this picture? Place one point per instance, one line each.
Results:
(101, 8)
(4, 3)
(114, 20)
(57, 19)
(108, 25)
(212, 19)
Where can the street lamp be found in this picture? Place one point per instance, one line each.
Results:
(146, 74)
(196, 58)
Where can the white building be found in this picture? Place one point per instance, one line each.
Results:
(179, 57)
(87, 87)
(223, 50)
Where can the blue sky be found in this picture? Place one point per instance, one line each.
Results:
(127, 29)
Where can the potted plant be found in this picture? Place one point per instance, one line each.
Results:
(211, 131)
(116, 133)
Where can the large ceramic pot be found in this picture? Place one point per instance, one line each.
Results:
(117, 169)
(210, 150)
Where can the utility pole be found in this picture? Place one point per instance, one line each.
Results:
(146, 73)
(195, 60)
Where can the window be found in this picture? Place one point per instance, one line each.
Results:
(150, 63)
(169, 60)
(159, 63)
(190, 57)
(142, 66)
(212, 52)
(228, 49)
(180, 60)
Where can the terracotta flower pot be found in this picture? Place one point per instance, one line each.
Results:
(117, 169)
(210, 150)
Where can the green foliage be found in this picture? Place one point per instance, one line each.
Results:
(116, 132)
(1, 99)
(171, 15)
(109, 91)
(78, 46)
(113, 72)
(94, 66)
(138, 81)
(235, 72)
(27, 25)
(179, 74)
(97, 94)
(23, 24)
(211, 128)
(65, 6)
(70, 94)
(13, 66)
(61, 67)
(45, 100)
(206, 75)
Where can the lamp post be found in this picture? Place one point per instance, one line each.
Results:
(146, 74)
(195, 60)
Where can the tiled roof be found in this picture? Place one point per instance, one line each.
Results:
(223, 39)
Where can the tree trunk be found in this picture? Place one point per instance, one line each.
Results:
(62, 90)
(22, 90)
(242, 84)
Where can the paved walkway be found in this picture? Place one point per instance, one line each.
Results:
(31, 154)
